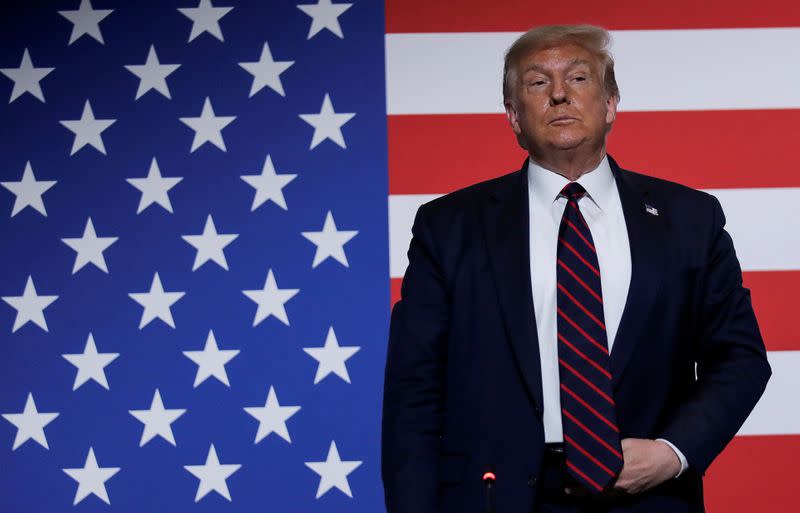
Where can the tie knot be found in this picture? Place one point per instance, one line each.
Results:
(573, 191)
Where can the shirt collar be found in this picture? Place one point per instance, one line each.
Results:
(546, 185)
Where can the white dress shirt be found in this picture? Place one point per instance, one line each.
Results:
(602, 209)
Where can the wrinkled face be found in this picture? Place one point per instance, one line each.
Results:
(559, 101)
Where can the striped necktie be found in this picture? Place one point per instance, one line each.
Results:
(589, 420)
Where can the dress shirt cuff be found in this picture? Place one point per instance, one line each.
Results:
(681, 457)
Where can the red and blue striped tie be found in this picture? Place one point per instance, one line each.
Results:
(591, 437)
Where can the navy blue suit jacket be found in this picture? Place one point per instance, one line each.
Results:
(462, 388)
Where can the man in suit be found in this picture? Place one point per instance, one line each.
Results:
(573, 336)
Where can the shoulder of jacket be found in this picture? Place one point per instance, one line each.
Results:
(669, 190)
(472, 196)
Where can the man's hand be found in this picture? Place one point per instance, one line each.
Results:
(647, 463)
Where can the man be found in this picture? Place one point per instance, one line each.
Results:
(572, 337)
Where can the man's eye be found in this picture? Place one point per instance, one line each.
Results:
(537, 82)
(579, 78)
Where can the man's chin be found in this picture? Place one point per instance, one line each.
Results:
(567, 144)
(565, 139)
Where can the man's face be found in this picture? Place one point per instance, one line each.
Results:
(559, 101)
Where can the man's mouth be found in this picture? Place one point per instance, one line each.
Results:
(563, 120)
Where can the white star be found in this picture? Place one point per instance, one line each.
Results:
(30, 424)
(152, 74)
(271, 300)
(154, 188)
(156, 303)
(90, 364)
(211, 361)
(86, 21)
(26, 78)
(205, 18)
(331, 357)
(330, 242)
(268, 185)
(91, 478)
(28, 191)
(157, 420)
(325, 15)
(210, 245)
(88, 130)
(266, 72)
(29, 306)
(90, 248)
(327, 124)
(333, 472)
(272, 417)
(212, 475)
(208, 127)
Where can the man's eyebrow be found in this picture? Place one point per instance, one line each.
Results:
(534, 67)
(573, 63)
(579, 62)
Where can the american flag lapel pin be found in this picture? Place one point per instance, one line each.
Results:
(653, 211)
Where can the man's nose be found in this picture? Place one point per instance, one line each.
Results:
(558, 93)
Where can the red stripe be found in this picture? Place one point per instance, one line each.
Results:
(589, 407)
(579, 305)
(575, 228)
(591, 433)
(518, 15)
(587, 478)
(563, 339)
(754, 473)
(589, 383)
(692, 148)
(577, 278)
(394, 289)
(575, 252)
(585, 453)
(582, 331)
(774, 295)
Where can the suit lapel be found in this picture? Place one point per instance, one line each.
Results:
(508, 244)
(646, 234)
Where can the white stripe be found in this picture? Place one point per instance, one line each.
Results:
(761, 240)
(762, 223)
(708, 69)
(402, 209)
(776, 413)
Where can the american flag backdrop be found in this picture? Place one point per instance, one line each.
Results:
(199, 253)
(194, 256)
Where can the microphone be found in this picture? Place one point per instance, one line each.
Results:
(488, 480)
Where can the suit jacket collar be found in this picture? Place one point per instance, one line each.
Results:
(647, 234)
(506, 231)
(505, 227)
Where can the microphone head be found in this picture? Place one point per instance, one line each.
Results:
(489, 476)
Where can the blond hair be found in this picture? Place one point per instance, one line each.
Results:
(592, 38)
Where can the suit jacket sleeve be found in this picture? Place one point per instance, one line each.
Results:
(414, 380)
(732, 367)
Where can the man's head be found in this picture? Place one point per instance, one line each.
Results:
(559, 89)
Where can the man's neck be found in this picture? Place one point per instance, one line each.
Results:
(569, 164)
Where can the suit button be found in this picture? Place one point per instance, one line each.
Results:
(531, 481)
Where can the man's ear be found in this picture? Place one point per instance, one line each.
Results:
(611, 109)
(512, 116)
